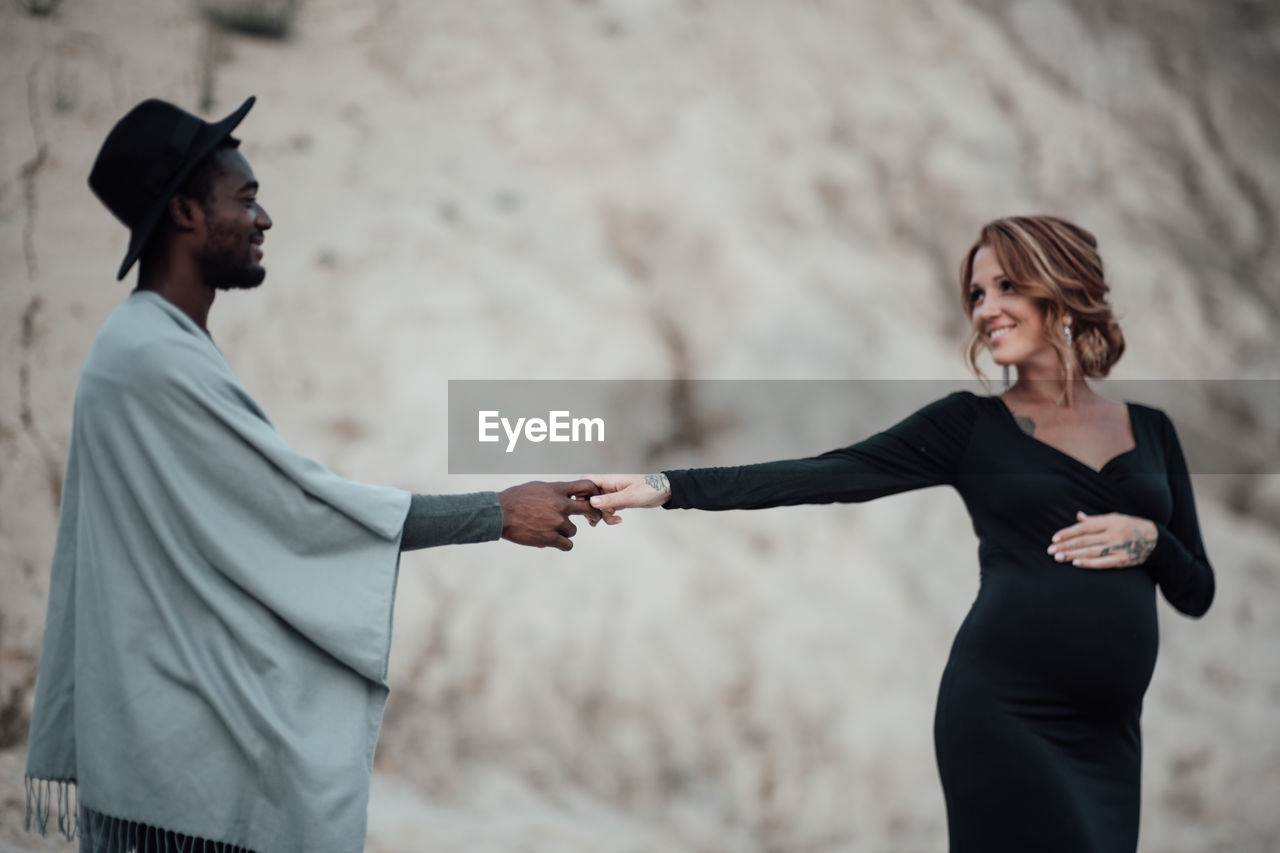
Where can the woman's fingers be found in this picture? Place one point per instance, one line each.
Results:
(1090, 525)
(1110, 561)
(1077, 546)
(1091, 552)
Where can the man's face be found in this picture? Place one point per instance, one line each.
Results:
(235, 223)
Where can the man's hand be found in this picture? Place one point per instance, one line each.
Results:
(537, 514)
(1111, 541)
(623, 491)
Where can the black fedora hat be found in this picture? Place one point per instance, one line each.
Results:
(146, 157)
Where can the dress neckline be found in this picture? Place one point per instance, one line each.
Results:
(1133, 432)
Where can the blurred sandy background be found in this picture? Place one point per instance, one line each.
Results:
(474, 189)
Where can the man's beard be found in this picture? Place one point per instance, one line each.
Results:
(237, 278)
(225, 272)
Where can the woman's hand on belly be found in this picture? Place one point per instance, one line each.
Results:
(1110, 541)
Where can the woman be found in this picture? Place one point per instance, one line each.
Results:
(1082, 506)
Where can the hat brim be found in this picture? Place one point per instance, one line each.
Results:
(206, 140)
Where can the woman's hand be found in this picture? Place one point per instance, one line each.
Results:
(1110, 541)
(623, 491)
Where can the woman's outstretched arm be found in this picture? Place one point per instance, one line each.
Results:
(923, 450)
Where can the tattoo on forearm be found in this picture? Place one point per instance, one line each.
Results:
(1026, 424)
(657, 482)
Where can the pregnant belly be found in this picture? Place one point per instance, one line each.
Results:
(1055, 638)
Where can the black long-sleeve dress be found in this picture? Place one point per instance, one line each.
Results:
(1037, 723)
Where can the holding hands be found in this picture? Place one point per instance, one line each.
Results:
(1110, 541)
(537, 513)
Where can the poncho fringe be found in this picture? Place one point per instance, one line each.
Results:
(41, 794)
(101, 833)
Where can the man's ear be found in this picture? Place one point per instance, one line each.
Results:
(185, 213)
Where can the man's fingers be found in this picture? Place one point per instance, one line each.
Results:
(579, 506)
(562, 543)
(579, 487)
(567, 529)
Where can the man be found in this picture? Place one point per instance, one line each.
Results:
(215, 654)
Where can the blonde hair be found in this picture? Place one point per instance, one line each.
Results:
(1055, 263)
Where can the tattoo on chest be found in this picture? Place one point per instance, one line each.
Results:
(1026, 424)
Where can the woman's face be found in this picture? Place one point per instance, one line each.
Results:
(1009, 323)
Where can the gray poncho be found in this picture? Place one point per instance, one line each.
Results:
(215, 652)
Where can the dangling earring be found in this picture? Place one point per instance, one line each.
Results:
(1005, 367)
(1066, 330)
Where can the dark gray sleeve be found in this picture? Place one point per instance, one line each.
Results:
(1179, 562)
(923, 450)
(451, 520)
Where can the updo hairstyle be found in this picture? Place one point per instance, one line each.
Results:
(1056, 263)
